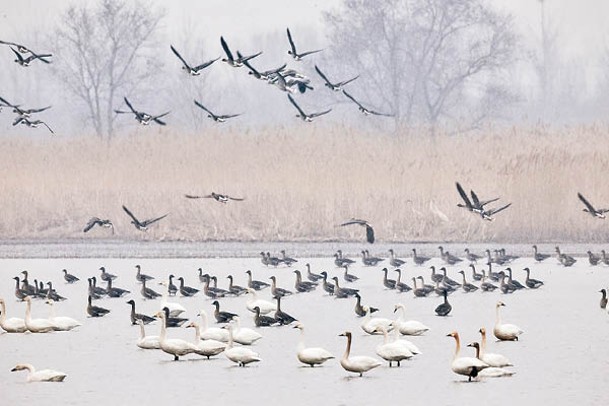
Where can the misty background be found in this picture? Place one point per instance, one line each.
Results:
(549, 67)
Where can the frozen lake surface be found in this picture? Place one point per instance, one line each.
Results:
(562, 357)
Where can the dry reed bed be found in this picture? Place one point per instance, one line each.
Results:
(300, 182)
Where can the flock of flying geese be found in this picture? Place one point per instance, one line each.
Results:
(234, 341)
(287, 80)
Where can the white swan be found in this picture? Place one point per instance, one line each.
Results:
(147, 342)
(265, 306)
(468, 366)
(175, 309)
(394, 351)
(407, 343)
(173, 346)
(61, 323)
(239, 355)
(505, 332)
(312, 355)
(359, 364)
(490, 372)
(45, 375)
(207, 348)
(12, 325)
(410, 327)
(369, 325)
(244, 335)
(36, 325)
(494, 360)
(211, 333)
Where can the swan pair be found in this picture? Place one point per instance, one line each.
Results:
(44, 375)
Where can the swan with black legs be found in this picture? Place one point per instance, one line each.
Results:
(467, 366)
(358, 364)
(206, 348)
(310, 355)
(174, 346)
(239, 355)
(392, 351)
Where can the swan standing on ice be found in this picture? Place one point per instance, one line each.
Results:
(312, 355)
(468, 366)
(12, 325)
(147, 342)
(45, 375)
(61, 323)
(505, 332)
(410, 327)
(492, 371)
(394, 351)
(35, 325)
(206, 348)
(494, 360)
(358, 364)
(211, 333)
(239, 355)
(244, 335)
(265, 306)
(173, 346)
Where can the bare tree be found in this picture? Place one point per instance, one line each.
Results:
(103, 52)
(420, 58)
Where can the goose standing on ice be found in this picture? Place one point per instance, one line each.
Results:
(445, 308)
(147, 292)
(538, 256)
(13, 324)
(139, 276)
(95, 311)
(505, 332)
(467, 366)
(603, 292)
(303, 286)
(115, 292)
(358, 364)
(277, 291)
(255, 284)
(360, 310)
(138, 316)
(395, 261)
(281, 316)
(313, 277)
(44, 375)
(69, 278)
(235, 289)
(310, 355)
(221, 316)
(399, 285)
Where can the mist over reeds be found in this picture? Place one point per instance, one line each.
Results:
(300, 183)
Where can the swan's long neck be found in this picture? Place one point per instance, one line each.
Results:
(482, 344)
(163, 329)
(301, 344)
(51, 310)
(348, 349)
(197, 332)
(385, 335)
(498, 316)
(142, 331)
(457, 347)
(203, 320)
(237, 322)
(3, 314)
(478, 352)
(230, 338)
(402, 313)
(28, 311)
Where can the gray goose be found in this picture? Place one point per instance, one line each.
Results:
(282, 317)
(69, 278)
(467, 287)
(338, 86)
(192, 70)
(313, 277)
(277, 291)
(401, 286)
(255, 284)
(222, 316)
(148, 293)
(303, 286)
(95, 311)
(186, 290)
(292, 51)
(138, 316)
(394, 261)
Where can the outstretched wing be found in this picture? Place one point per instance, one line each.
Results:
(376, 113)
(205, 65)
(18, 54)
(310, 52)
(250, 67)
(6, 103)
(203, 107)
(369, 234)
(131, 215)
(179, 57)
(39, 110)
(320, 113)
(237, 199)
(247, 58)
(92, 222)
(348, 81)
(475, 199)
(194, 197)
(302, 113)
(322, 75)
(468, 204)
(227, 116)
(226, 49)
(130, 107)
(586, 202)
(150, 221)
(359, 222)
(47, 126)
(351, 97)
(292, 46)
(495, 211)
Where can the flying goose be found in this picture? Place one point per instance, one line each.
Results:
(22, 48)
(142, 225)
(338, 86)
(488, 214)
(194, 71)
(229, 56)
(216, 118)
(32, 124)
(25, 62)
(217, 197)
(96, 221)
(475, 205)
(302, 115)
(265, 75)
(599, 213)
(140, 116)
(363, 109)
(26, 113)
(363, 223)
(298, 56)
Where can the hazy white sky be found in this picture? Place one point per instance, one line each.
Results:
(582, 23)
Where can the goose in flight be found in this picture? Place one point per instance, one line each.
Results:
(363, 223)
(474, 205)
(488, 214)
(265, 75)
(26, 113)
(25, 62)
(216, 118)
(21, 48)
(141, 117)
(599, 213)
(142, 225)
(217, 197)
(196, 70)
(298, 56)
(363, 109)
(32, 124)
(96, 221)
(229, 56)
(338, 86)
(306, 117)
